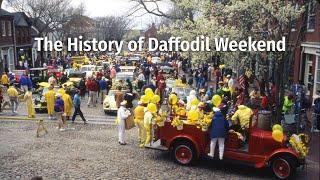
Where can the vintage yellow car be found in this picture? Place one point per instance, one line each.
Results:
(81, 60)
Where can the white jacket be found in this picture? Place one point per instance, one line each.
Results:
(123, 113)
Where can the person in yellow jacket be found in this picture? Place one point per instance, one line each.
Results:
(5, 80)
(243, 115)
(147, 120)
(50, 99)
(28, 99)
(13, 96)
(139, 121)
(67, 104)
(61, 90)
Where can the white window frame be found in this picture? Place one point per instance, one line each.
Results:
(312, 2)
(3, 28)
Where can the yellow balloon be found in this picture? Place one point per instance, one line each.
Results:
(277, 127)
(148, 92)
(277, 135)
(195, 102)
(193, 115)
(152, 108)
(173, 99)
(216, 100)
(144, 99)
(155, 99)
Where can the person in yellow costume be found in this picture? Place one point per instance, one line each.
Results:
(50, 98)
(147, 120)
(28, 99)
(243, 115)
(5, 79)
(139, 121)
(67, 100)
(61, 90)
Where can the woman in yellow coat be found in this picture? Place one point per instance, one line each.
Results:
(28, 99)
(67, 104)
(50, 98)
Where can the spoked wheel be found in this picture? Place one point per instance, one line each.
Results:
(184, 153)
(283, 168)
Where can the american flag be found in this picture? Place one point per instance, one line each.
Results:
(242, 81)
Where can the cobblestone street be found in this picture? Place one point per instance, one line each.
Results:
(92, 152)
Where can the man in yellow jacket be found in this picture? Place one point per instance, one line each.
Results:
(5, 80)
(243, 115)
(13, 96)
(50, 99)
(67, 104)
(139, 121)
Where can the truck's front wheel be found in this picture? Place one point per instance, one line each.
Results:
(283, 167)
(184, 153)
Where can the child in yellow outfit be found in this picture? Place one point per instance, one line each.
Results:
(139, 121)
(28, 99)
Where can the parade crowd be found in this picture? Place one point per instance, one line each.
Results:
(233, 99)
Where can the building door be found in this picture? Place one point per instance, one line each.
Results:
(308, 75)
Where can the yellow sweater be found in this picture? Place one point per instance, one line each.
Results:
(243, 114)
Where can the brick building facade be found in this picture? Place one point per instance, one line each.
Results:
(306, 36)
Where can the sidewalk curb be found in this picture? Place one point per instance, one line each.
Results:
(19, 118)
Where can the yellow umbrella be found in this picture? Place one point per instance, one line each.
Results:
(44, 84)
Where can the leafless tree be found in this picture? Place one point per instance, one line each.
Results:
(112, 27)
(48, 15)
(153, 7)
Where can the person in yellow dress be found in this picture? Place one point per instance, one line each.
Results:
(67, 104)
(28, 99)
(139, 121)
(50, 99)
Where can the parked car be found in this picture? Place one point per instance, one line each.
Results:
(109, 103)
(88, 69)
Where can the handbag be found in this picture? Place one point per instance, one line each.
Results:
(129, 122)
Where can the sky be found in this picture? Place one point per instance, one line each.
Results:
(96, 8)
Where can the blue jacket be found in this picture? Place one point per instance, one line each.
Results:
(30, 85)
(59, 105)
(219, 126)
(24, 81)
(76, 100)
(102, 84)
